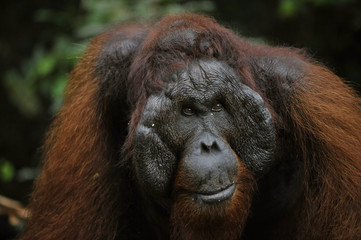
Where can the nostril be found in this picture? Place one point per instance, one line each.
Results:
(209, 147)
(206, 147)
(215, 146)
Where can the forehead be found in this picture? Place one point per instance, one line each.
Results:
(202, 77)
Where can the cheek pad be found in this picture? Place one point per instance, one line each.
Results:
(255, 141)
(154, 162)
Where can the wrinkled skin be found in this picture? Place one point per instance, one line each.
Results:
(205, 121)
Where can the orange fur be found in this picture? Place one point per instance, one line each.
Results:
(327, 114)
(223, 221)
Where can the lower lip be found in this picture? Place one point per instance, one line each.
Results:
(219, 196)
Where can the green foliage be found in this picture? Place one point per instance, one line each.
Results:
(7, 170)
(43, 75)
(289, 8)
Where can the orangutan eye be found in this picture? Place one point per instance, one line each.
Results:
(188, 111)
(217, 107)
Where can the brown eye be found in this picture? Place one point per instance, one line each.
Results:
(188, 111)
(217, 107)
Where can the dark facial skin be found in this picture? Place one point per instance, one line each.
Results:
(205, 121)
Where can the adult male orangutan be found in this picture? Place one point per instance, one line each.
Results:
(183, 130)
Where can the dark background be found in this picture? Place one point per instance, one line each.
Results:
(41, 40)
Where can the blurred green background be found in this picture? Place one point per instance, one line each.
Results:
(41, 40)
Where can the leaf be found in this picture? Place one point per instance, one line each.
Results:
(7, 171)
